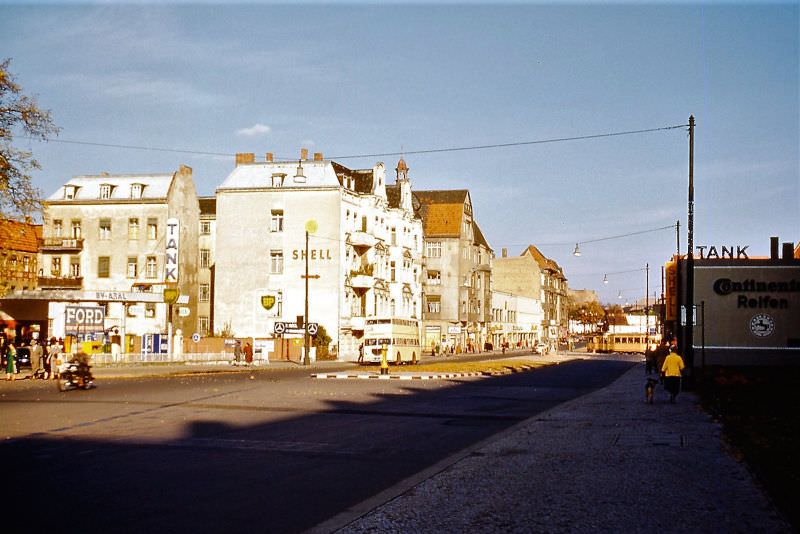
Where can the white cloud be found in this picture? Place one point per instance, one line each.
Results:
(254, 130)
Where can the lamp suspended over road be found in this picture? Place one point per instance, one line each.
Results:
(577, 251)
(605, 279)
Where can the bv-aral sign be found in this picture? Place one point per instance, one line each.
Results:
(83, 319)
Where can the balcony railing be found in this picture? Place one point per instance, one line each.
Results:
(62, 244)
(61, 282)
(362, 240)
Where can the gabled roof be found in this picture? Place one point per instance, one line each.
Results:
(317, 173)
(19, 236)
(156, 186)
(479, 239)
(362, 177)
(544, 262)
(450, 196)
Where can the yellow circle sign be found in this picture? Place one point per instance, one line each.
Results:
(311, 226)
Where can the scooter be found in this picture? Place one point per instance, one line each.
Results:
(77, 374)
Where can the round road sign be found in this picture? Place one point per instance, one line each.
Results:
(279, 328)
(312, 329)
(196, 337)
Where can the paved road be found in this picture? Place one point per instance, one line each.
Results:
(276, 452)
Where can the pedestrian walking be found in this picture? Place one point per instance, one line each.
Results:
(672, 370)
(361, 353)
(36, 359)
(54, 353)
(248, 353)
(11, 357)
(237, 352)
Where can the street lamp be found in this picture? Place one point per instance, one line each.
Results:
(311, 227)
(577, 251)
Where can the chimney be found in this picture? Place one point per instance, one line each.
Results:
(268, 157)
(505, 252)
(773, 248)
(317, 156)
(788, 251)
(246, 157)
(303, 154)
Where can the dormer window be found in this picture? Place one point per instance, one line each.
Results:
(70, 191)
(136, 190)
(105, 191)
(277, 179)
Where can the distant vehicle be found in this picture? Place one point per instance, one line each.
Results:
(542, 348)
(631, 343)
(22, 359)
(399, 336)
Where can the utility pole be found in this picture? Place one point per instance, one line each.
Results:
(647, 307)
(311, 227)
(690, 258)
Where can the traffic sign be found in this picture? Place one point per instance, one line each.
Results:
(279, 328)
(196, 337)
(312, 329)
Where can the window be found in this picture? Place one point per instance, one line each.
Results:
(276, 223)
(393, 272)
(55, 266)
(433, 249)
(70, 191)
(133, 228)
(105, 191)
(103, 267)
(205, 292)
(26, 264)
(434, 278)
(205, 258)
(75, 230)
(75, 267)
(276, 261)
(204, 324)
(434, 304)
(394, 235)
(205, 227)
(277, 180)
(136, 190)
(150, 267)
(132, 270)
(152, 228)
(58, 227)
(105, 229)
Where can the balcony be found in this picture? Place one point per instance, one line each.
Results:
(362, 240)
(60, 282)
(362, 281)
(61, 244)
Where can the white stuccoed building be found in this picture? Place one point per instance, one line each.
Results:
(365, 247)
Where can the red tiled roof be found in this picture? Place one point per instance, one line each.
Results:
(20, 236)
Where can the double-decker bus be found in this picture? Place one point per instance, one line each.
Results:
(399, 336)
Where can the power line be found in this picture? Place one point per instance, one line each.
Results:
(374, 155)
(570, 243)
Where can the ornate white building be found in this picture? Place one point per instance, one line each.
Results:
(364, 242)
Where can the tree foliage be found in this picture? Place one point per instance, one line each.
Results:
(19, 113)
(587, 313)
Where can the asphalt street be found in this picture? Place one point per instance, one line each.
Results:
(266, 451)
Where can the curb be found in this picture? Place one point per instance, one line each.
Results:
(421, 376)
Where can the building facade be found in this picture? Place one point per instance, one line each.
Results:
(457, 280)
(205, 266)
(117, 241)
(360, 238)
(516, 320)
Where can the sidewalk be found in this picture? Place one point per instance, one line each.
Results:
(605, 462)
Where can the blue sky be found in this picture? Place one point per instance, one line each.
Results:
(364, 79)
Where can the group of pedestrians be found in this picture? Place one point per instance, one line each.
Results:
(45, 361)
(664, 360)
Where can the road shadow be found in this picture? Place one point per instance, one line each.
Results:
(283, 476)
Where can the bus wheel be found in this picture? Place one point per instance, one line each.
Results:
(413, 358)
(399, 358)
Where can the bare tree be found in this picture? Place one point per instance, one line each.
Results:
(19, 113)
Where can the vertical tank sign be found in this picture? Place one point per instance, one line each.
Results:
(171, 256)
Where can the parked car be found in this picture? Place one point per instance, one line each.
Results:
(23, 358)
(542, 348)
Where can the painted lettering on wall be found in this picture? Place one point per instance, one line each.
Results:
(323, 254)
(726, 286)
(171, 253)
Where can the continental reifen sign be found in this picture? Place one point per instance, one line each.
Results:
(748, 307)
